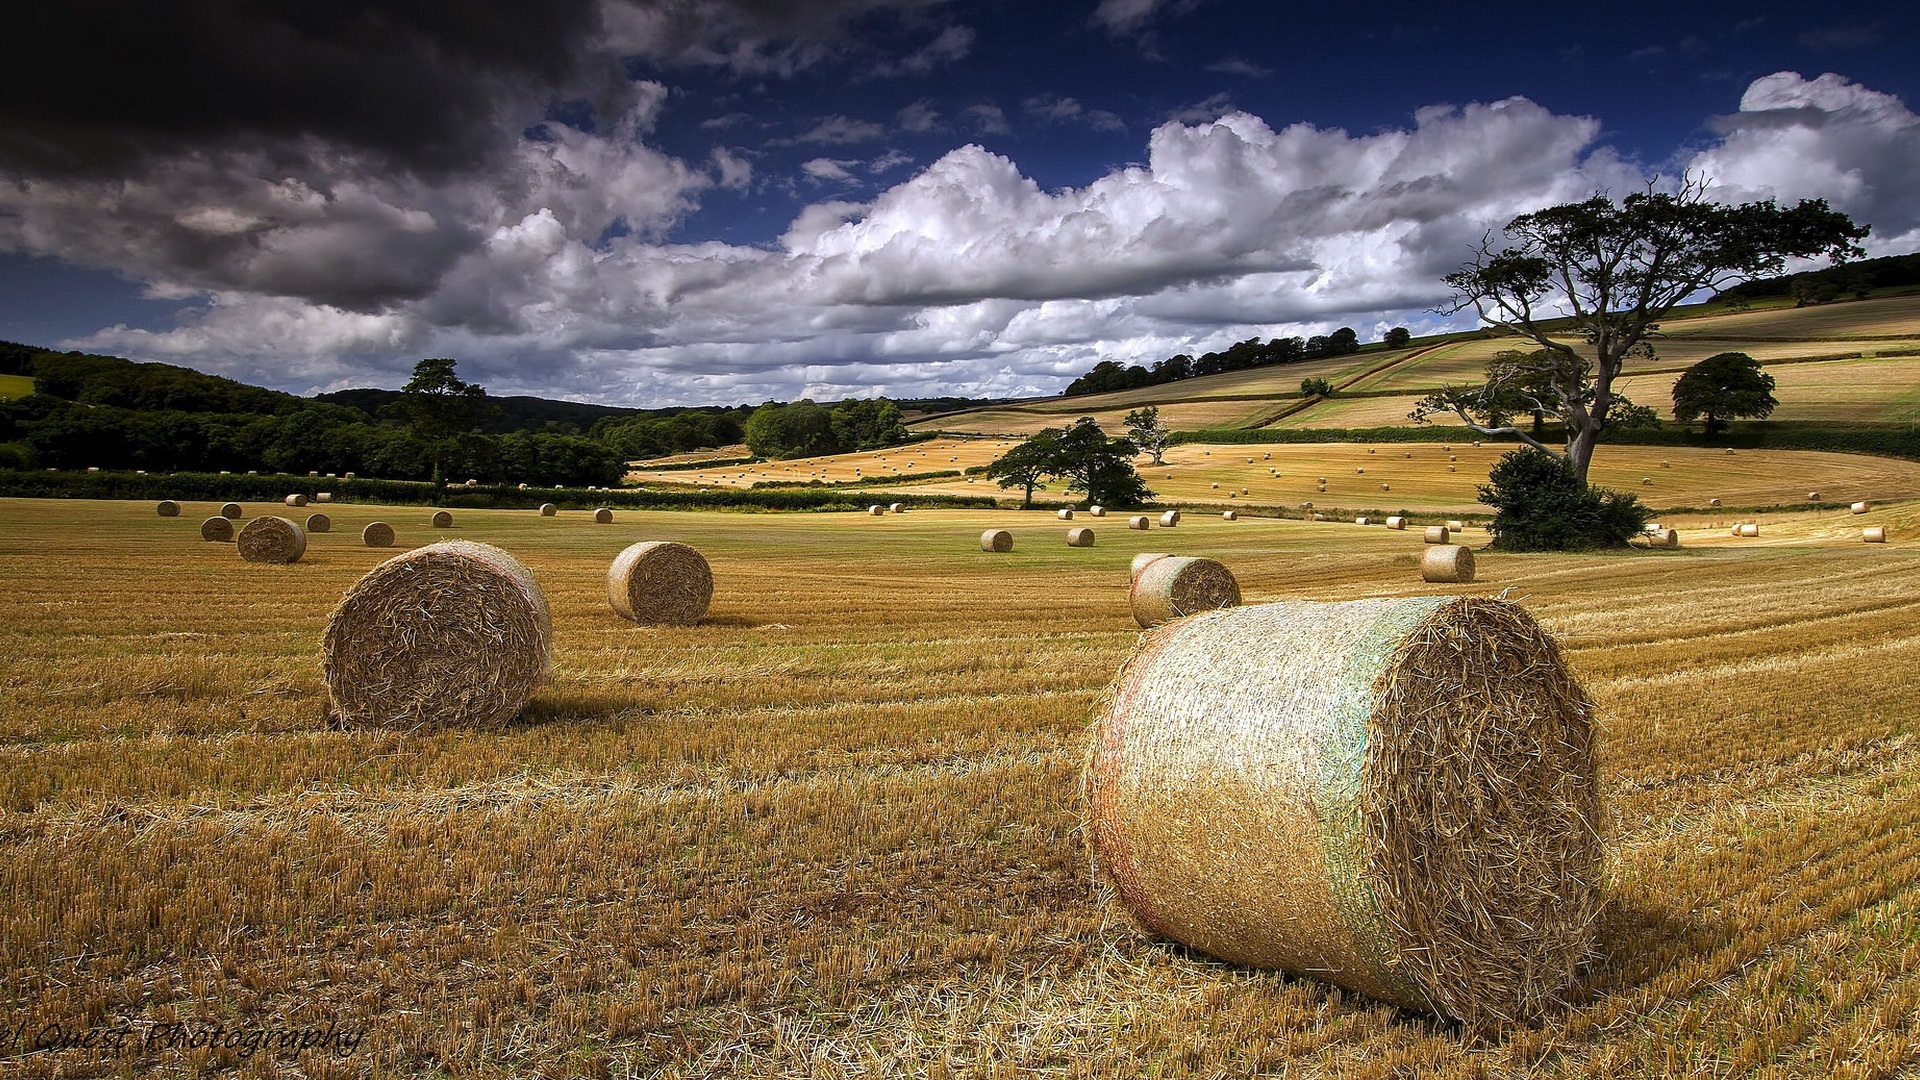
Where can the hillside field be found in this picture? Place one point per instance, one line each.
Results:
(15, 386)
(834, 829)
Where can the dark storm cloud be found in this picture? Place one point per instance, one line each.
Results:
(96, 86)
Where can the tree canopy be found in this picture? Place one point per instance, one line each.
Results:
(1721, 387)
(1589, 282)
(1097, 466)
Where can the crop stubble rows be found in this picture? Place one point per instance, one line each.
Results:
(833, 831)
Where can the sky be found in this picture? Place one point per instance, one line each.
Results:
(733, 201)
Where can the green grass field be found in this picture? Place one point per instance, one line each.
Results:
(15, 386)
(834, 829)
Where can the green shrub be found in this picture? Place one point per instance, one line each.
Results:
(1540, 505)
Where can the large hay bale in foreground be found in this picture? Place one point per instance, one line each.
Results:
(1080, 537)
(272, 540)
(1175, 587)
(996, 540)
(1450, 563)
(1874, 534)
(377, 534)
(167, 508)
(217, 529)
(548, 510)
(454, 634)
(660, 583)
(1398, 796)
(442, 519)
(1141, 560)
(230, 510)
(1437, 534)
(319, 523)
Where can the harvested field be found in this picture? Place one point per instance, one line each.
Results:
(835, 828)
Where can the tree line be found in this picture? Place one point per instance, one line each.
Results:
(1110, 375)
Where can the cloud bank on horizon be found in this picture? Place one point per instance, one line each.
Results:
(331, 199)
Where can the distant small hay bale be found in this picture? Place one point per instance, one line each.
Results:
(253, 472)
(1874, 534)
(1140, 562)
(1216, 486)
(1664, 538)
(1666, 464)
(1713, 502)
(1363, 520)
(295, 500)
(346, 476)
(1176, 586)
(454, 634)
(1437, 534)
(1452, 468)
(1386, 487)
(1646, 481)
(1097, 511)
(1729, 449)
(1358, 472)
(897, 508)
(1064, 514)
(1236, 811)
(660, 583)
(521, 487)
(1750, 529)
(603, 515)
(996, 540)
(230, 510)
(323, 496)
(377, 534)
(1169, 519)
(167, 508)
(1319, 517)
(1813, 496)
(1409, 456)
(272, 540)
(1139, 522)
(319, 523)
(1396, 522)
(1453, 457)
(548, 510)
(313, 472)
(1229, 515)
(1081, 537)
(1455, 524)
(1860, 508)
(1450, 563)
(219, 530)
(442, 519)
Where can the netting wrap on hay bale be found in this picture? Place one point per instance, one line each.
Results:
(320, 523)
(454, 634)
(272, 540)
(1080, 537)
(167, 508)
(660, 583)
(1447, 563)
(217, 529)
(1397, 796)
(1175, 587)
(377, 534)
(996, 540)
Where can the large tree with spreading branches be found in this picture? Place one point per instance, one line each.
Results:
(1589, 282)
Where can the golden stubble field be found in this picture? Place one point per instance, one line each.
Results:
(833, 831)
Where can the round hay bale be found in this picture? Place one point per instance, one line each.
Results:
(1874, 534)
(1447, 563)
(897, 508)
(1176, 586)
(454, 634)
(548, 510)
(876, 510)
(1750, 529)
(1140, 562)
(1081, 537)
(1713, 502)
(603, 516)
(1064, 514)
(1647, 480)
(1140, 522)
(1396, 523)
(442, 519)
(1097, 511)
(1169, 519)
(1438, 534)
(1229, 515)
(1359, 472)
(1860, 508)
(377, 534)
(996, 540)
(1216, 486)
(346, 476)
(1398, 796)
(1813, 496)
(323, 496)
(295, 500)
(230, 510)
(217, 529)
(167, 508)
(319, 523)
(1363, 520)
(1455, 524)
(660, 583)
(1664, 538)
(1453, 468)
(1384, 487)
(272, 540)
